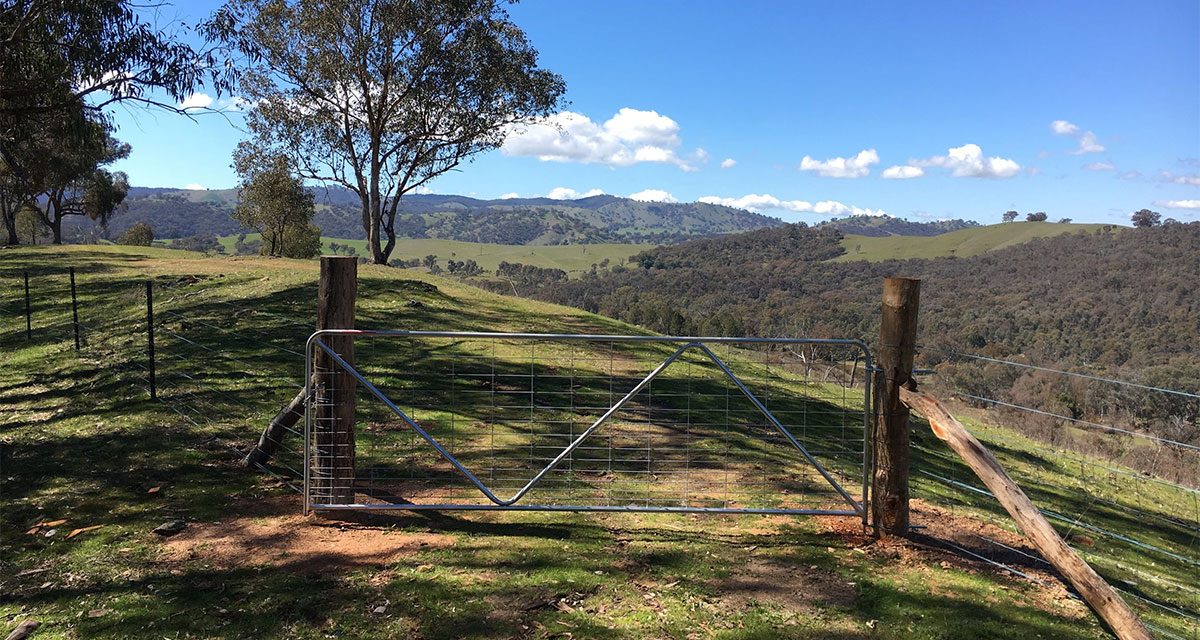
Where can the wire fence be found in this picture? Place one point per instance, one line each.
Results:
(220, 367)
(1106, 464)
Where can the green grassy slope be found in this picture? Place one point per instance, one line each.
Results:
(962, 243)
(571, 257)
(82, 442)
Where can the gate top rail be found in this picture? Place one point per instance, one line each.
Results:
(589, 337)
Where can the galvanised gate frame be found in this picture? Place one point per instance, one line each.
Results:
(704, 346)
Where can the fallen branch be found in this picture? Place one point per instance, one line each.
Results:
(23, 630)
(1099, 595)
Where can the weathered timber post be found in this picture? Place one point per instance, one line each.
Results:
(333, 423)
(889, 445)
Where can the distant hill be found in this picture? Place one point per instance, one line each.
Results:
(963, 243)
(175, 213)
(882, 226)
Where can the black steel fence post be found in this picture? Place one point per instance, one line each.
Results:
(74, 309)
(150, 335)
(28, 314)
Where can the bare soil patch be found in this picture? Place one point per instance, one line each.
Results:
(930, 547)
(791, 588)
(275, 533)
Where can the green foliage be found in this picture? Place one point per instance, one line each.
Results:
(139, 234)
(276, 204)
(1145, 218)
(1010, 215)
(1073, 297)
(69, 59)
(1040, 216)
(199, 243)
(877, 226)
(380, 96)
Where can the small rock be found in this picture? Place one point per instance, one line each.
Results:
(170, 528)
(380, 609)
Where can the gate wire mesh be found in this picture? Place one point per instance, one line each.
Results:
(506, 406)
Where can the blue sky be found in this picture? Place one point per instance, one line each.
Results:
(1086, 110)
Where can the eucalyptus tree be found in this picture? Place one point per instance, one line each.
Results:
(382, 96)
(275, 203)
(61, 57)
(70, 173)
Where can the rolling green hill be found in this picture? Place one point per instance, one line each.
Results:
(568, 257)
(84, 444)
(963, 243)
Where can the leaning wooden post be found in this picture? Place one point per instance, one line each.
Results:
(1103, 599)
(333, 424)
(889, 444)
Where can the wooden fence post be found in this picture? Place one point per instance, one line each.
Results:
(333, 469)
(889, 445)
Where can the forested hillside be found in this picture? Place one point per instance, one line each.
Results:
(1120, 298)
(881, 226)
(177, 213)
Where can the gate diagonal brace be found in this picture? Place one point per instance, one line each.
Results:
(857, 507)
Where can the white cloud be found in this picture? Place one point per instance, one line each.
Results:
(856, 167)
(630, 137)
(652, 195)
(1191, 180)
(766, 202)
(196, 101)
(1088, 143)
(1100, 166)
(728, 163)
(1178, 204)
(903, 172)
(510, 195)
(194, 187)
(567, 193)
(1064, 128)
(968, 161)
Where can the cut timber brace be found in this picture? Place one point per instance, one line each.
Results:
(272, 435)
(1099, 595)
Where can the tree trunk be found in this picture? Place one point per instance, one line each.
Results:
(10, 225)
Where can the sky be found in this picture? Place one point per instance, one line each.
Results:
(809, 110)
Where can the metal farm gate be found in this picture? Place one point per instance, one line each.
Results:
(568, 422)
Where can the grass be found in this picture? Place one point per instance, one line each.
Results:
(963, 243)
(82, 441)
(569, 258)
